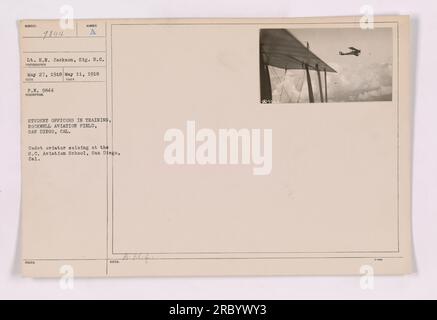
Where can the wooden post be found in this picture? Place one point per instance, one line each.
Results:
(310, 87)
(320, 83)
(326, 88)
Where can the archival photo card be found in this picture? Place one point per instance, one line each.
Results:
(207, 147)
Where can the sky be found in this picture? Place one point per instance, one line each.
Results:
(367, 77)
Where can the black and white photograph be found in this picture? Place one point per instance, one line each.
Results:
(311, 65)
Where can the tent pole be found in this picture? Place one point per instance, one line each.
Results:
(310, 87)
(320, 83)
(326, 87)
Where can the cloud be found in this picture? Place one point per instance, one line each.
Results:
(381, 93)
(352, 82)
(361, 82)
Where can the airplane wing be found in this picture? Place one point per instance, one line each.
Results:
(354, 49)
(281, 49)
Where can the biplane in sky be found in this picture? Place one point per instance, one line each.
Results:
(353, 51)
(281, 49)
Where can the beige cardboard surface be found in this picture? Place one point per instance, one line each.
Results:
(99, 198)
